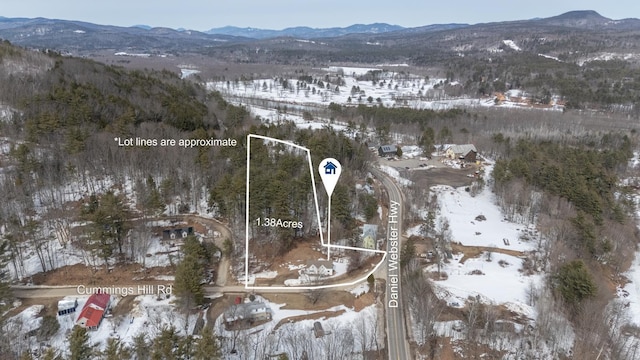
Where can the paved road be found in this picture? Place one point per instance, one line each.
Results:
(31, 292)
(43, 291)
(398, 345)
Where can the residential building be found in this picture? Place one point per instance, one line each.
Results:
(93, 311)
(387, 150)
(466, 152)
(319, 268)
(249, 312)
(369, 235)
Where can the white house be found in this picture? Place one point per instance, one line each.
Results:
(319, 268)
(250, 312)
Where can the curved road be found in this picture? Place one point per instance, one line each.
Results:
(398, 345)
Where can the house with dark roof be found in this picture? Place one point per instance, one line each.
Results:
(177, 232)
(93, 311)
(466, 152)
(387, 150)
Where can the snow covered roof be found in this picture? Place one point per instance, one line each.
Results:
(319, 263)
(244, 310)
(369, 229)
(463, 149)
(66, 304)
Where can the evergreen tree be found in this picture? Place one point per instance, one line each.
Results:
(111, 223)
(49, 327)
(207, 347)
(190, 272)
(427, 141)
(575, 284)
(164, 345)
(50, 354)
(186, 347)
(116, 350)
(188, 282)
(340, 205)
(79, 346)
(141, 347)
(153, 201)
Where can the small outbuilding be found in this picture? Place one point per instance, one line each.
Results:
(67, 306)
(317, 329)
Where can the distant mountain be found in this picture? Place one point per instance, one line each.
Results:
(577, 19)
(76, 36)
(573, 36)
(434, 27)
(305, 32)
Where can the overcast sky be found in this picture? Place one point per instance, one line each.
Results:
(279, 14)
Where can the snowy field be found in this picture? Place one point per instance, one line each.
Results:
(462, 209)
(391, 89)
(498, 281)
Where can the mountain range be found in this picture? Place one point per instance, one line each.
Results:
(573, 33)
(305, 32)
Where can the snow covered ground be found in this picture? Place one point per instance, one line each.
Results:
(395, 174)
(462, 211)
(630, 293)
(184, 73)
(391, 89)
(149, 316)
(477, 221)
(345, 331)
(495, 282)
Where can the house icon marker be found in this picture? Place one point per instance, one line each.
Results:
(330, 168)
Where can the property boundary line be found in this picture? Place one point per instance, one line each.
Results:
(315, 196)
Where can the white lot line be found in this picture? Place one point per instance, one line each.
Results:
(315, 197)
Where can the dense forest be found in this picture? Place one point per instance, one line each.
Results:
(573, 190)
(62, 165)
(605, 85)
(61, 149)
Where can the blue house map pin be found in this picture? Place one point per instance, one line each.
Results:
(330, 170)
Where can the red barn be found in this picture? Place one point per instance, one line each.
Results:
(93, 311)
